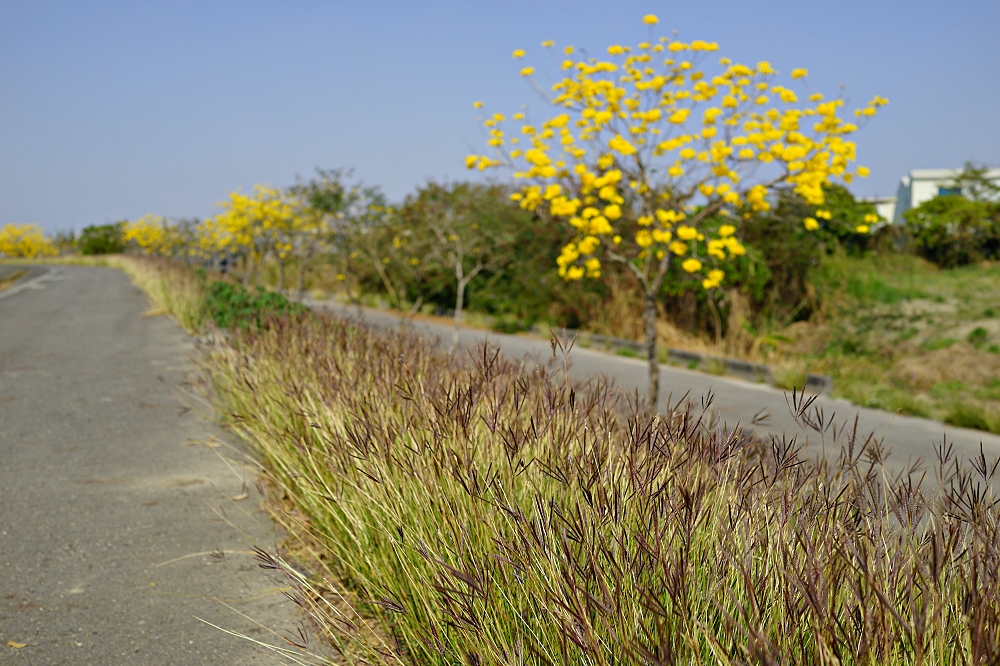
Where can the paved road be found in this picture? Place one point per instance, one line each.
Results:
(98, 495)
(909, 438)
(30, 277)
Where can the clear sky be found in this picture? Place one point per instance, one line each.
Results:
(109, 110)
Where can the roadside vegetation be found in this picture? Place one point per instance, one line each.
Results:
(459, 508)
(895, 330)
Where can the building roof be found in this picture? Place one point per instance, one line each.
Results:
(942, 174)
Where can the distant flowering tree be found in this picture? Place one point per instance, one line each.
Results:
(652, 159)
(257, 224)
(26, 241)
(153, 234)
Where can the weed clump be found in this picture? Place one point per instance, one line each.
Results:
(483, 511)
(231, 306)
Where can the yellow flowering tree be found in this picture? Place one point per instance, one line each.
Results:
(257, 225)
(655, 155)
(153, 234)
(26, 241)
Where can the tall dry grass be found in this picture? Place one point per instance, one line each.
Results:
(465, 509)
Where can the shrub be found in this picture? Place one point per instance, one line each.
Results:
(977, 417)
(101, 239)
(978, 336)
(232, 307)
(951, 230)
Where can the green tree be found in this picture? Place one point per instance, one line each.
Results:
(321, 206)
(458, 225)
(951, 230)
(975, 183)
(101, 239)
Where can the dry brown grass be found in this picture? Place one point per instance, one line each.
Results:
(958, 363)
(10, 279)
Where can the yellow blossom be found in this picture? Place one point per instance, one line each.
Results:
(691, 265)
(661, 236)
(678, 248)
(687, 233)
(679, 116)
(621, 145)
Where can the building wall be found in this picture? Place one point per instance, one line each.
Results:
(903, 198)
(886, 208)
(925, 184)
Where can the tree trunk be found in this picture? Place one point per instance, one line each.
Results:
(716, 320)
(300, 278)
(649, 323)
(459, 301)
(415, 308)
(394, 297)
(249, 272)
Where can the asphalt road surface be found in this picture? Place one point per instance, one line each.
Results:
(736, 401)
(109, 512)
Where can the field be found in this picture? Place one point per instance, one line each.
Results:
(899, 334)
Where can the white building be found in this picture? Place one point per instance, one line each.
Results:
(925, 184)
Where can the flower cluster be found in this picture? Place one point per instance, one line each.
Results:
(649, 149)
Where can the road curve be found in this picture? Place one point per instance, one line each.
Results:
(107, 520)
(908, 438)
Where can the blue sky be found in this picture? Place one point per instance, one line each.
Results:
(109, 110)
